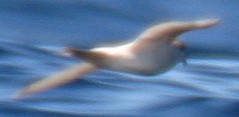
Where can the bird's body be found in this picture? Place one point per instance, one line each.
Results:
(142, 60)
(154, 51)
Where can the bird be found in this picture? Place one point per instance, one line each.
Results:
(154, 51)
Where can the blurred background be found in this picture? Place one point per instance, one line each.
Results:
(31, 29)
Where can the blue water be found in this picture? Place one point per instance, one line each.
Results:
(32, 32)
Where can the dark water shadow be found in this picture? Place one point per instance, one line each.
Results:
(213, 70)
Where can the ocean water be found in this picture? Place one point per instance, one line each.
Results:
(33, 32)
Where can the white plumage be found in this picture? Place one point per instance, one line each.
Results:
(153, 52)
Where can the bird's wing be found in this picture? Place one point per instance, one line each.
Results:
(58, 79)
(168, 31)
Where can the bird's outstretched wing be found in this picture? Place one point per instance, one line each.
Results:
(169, 31)
(58, 79)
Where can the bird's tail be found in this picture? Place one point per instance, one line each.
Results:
(58, 79)
(93, 57)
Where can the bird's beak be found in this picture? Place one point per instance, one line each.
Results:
(179, 44)
(182, 47)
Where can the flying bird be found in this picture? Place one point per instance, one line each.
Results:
(154, 51)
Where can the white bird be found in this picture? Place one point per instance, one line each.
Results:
(154, 51)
